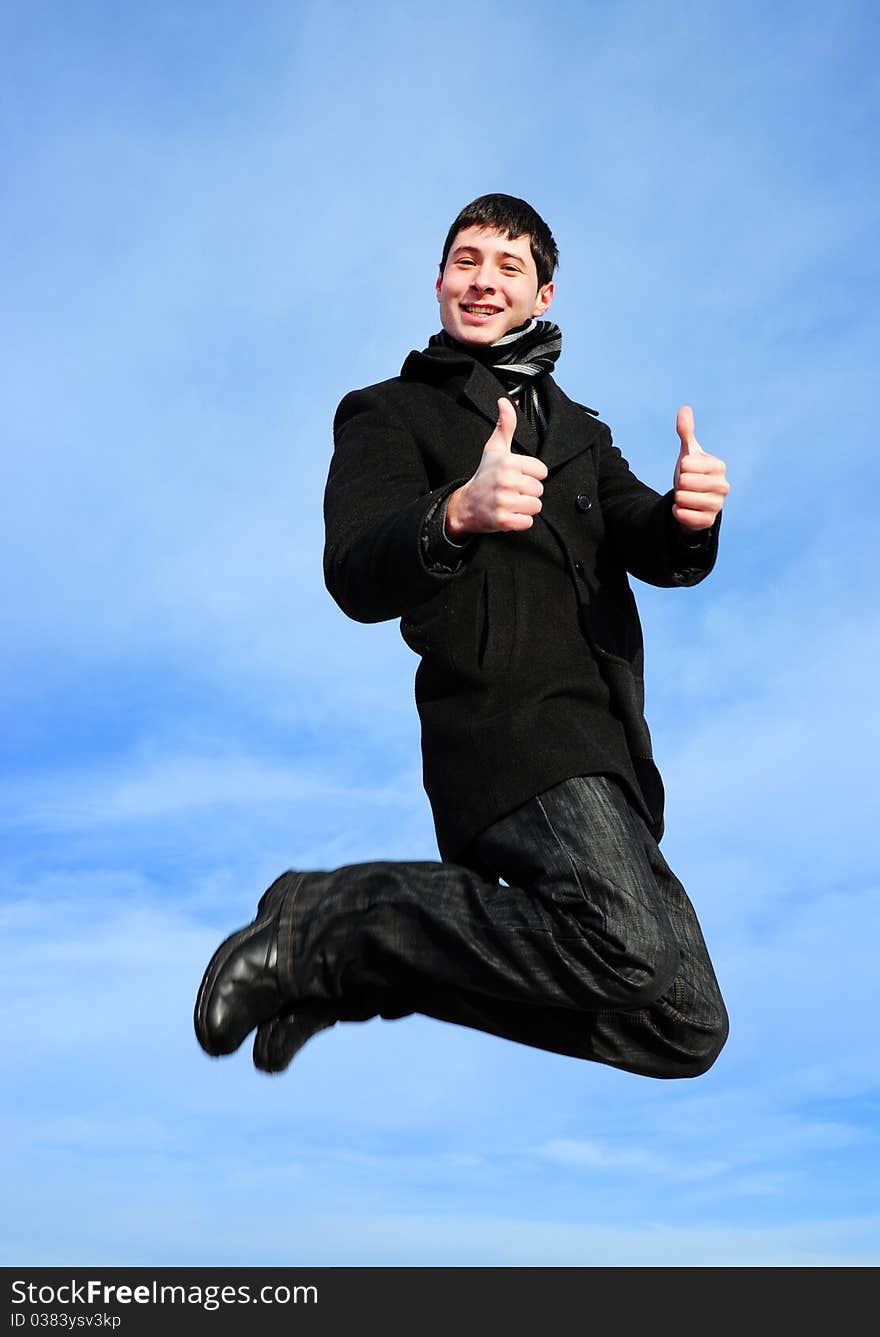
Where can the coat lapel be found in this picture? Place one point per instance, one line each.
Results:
(482, 391)
(570, 427)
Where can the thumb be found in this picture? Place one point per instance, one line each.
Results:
(684, 426)
(506, 425)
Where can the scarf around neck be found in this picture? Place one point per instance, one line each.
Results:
(519, 359)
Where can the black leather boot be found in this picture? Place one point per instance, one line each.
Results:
(277, 1042)
(249, 978)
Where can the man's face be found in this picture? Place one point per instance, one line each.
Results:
(489, 286)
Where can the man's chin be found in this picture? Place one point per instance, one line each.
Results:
(475, 334)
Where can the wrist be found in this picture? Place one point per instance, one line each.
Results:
(456, 521)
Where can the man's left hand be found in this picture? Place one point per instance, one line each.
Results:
(700, 480)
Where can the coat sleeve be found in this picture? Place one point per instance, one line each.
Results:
(641, 529)
(376, 502)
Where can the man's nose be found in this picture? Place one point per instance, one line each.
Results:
(482, 283)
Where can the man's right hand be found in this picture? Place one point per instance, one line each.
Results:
(504, 493)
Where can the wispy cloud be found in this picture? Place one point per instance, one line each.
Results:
(174, 786)
(585, 1155)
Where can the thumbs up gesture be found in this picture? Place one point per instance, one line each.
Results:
(700, 480)
(505, 492)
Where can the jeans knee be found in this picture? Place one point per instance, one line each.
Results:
(714, 1042)
(644, 980)
(705, 1044)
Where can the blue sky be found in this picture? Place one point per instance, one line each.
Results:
(218, 219)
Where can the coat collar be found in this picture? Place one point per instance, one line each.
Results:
(571, 428)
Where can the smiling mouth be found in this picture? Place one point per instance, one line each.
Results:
(481, 310)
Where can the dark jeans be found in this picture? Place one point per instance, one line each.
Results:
(592, 949)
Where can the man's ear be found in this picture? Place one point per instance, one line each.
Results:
(439, 281)
(543, 299)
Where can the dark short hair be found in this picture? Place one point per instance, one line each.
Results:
(505, 213)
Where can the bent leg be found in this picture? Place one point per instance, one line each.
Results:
(592, 948)
(679, 1035)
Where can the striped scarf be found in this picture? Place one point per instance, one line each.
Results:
(519, 359)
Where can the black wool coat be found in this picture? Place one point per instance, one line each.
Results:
(531, 651)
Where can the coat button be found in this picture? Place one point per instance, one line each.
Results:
(579, 567)
(583, 502)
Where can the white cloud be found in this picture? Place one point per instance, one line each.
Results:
(163, 787)
(511, 1242)
(594, 1156)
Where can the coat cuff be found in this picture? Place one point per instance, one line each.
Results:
(439, 554)
(693, 553)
